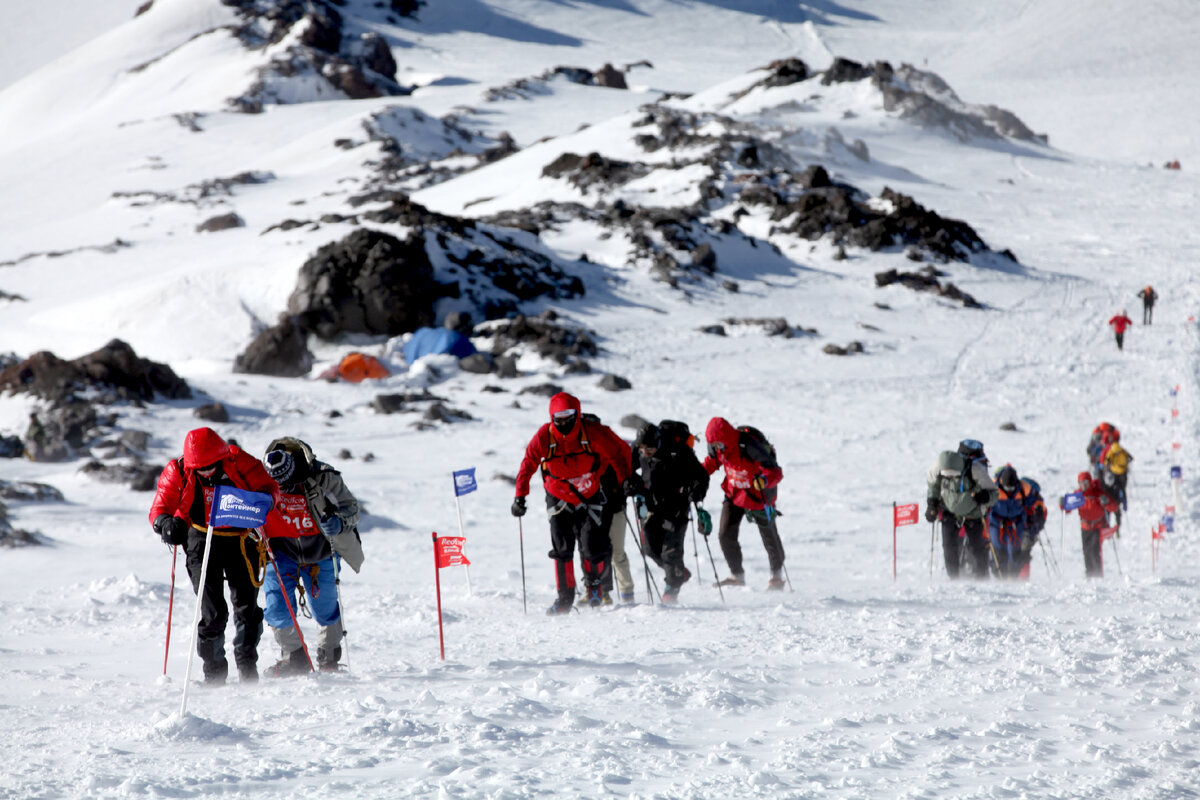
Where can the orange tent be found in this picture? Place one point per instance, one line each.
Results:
(357, 367)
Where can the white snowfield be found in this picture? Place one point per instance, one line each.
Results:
(848, 685)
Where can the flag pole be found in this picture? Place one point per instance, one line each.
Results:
(187, 675)
(893, 541)
(437, 582)
(458, 507)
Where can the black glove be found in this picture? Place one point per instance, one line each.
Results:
(172, 530)
(633, 485)
(518, 507)
(981, 497)
(932, 507)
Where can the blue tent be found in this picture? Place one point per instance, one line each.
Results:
(436, 340)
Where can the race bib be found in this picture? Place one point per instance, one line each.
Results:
(585, 484)
(294, 510)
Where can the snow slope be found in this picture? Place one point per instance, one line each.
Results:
(851, 684)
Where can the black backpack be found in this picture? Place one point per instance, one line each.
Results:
(754, 446)
(675, 436)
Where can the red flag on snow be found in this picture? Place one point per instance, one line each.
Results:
(1107, 533)
(905, 515)
(450, 551)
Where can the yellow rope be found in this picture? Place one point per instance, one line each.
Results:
(257, 575)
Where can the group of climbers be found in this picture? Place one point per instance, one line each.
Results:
(589, 473)
(310, 529)
(990, 524)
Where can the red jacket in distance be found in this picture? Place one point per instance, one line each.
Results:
(203, 447)
(572, 464)
(1096, 502)
(740, 472)
(1120, 322)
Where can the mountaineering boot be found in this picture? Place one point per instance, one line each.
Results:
(670, 595)
(558, 608)
(215, 672)
(777, 582)
(296, 663)
(327, 661)
(247, 672)
(627, 597)
(736, 579)
(595, 597)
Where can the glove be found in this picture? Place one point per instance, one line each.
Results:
(981, 497)
(703, 521)
(698, 495)
(639, 506)
(932, 507)
(172, 530)
(331, 526)
(518, 507)
(633, 485)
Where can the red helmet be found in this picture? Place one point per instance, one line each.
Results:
(1085, 480)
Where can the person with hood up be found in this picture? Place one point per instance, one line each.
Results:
(180, 513)
(1093, 522)
(667, 479)
(573, 455)
(1119, 323)
(959, 493)
(751, 475)
(315, 522)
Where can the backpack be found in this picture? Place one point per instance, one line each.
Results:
(753, 446)
(674, 435)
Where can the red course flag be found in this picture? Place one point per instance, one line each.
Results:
(1174, 412)
(450, 551)
(1107, 533)
(906, 514)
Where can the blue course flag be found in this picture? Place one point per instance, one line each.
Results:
(1072, 501)
(239, 508)
(1168, 521)
(464, 482)
(1176, 472)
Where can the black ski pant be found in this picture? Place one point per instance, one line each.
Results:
(226, 564)
(971, 547)
(1120, 340)
(1147, 313)
(665, 537)
(727, 535)
(588, 525)
(1093, 559)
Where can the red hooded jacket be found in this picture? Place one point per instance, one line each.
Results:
(1120, 322)
(572, 464)
(203, 447)
(1096, 502)
(740, 472)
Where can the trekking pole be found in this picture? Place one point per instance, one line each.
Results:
(932, 536)
(187, 675)
(711, 560)
(695, 546)
(788, 577)
(521, 532)
(288, 603)
(645, 563)
(1117, 556)
(170, 605)
(337, 582)
(1053, 556)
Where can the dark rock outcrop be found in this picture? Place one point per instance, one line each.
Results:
(281, 350)
(114, 368)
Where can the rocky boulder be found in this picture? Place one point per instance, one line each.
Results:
(369, 282)
(281, 350)
(114, 368)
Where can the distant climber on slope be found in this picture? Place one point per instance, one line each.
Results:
(1119, 323)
